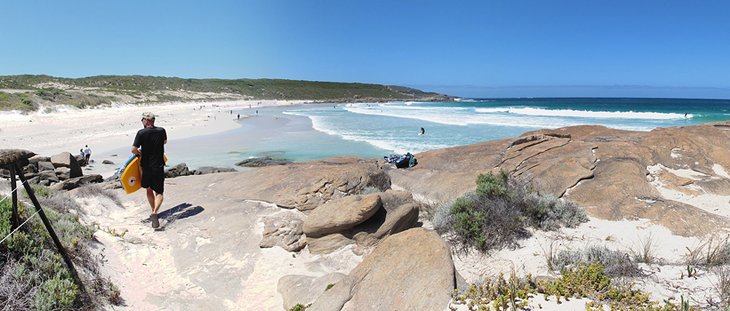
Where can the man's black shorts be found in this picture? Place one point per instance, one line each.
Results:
(154, 178)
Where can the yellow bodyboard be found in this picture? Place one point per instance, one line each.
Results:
(131, 176)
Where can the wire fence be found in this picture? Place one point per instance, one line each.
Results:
(26, 221)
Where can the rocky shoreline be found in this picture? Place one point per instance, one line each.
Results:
(351, 234)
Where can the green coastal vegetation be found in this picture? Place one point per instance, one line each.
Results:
(33, 274)
(29, 92)
(500, 211)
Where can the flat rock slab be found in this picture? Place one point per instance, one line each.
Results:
(305, 186)
(603, 170)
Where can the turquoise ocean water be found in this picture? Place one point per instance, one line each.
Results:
(309, 132)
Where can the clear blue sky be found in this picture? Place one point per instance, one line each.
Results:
(467, 48)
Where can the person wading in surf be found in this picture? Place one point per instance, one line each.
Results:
(152, 139)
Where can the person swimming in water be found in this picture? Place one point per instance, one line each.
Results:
(422, 131)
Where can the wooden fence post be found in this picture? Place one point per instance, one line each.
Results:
(47, 223)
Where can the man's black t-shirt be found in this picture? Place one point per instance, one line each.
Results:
(152, 141)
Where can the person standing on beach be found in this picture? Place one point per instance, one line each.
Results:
(87, 153)
(152, 140)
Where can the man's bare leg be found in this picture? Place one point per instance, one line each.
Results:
(158, 202)
(155, 201)
(151, 199)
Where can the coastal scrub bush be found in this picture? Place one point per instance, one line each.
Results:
(615, 263)
(500, 293)
(32, 272)
(56, 293)
(581, 281)
(499, 211)
(492, 186)
(713, 251)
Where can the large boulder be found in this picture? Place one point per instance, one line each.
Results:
(50, 176)
(401, 218)
(63, 173)
(65, 159)
(334, 298)
(338, 215)
(284, 230)
(305, 186)
(302, 289)
(399, 212)
(411, 270)
(328, 243)
(46, 166)
(36, 159)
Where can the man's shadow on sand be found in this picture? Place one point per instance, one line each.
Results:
(180, 211)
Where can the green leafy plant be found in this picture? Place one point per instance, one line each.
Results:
(299, 307)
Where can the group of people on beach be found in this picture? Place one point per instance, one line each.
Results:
(85, 153)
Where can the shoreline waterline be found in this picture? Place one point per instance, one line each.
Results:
(224, 133)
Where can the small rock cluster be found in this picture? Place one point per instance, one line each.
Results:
(183, 170)
(61, 172)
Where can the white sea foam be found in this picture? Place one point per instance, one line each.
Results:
(584, 113)
(393, 144)
(448, 116)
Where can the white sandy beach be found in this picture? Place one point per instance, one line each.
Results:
(110, 128)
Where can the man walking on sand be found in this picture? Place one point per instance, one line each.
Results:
(152, 139)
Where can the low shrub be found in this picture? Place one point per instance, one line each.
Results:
(713, 251)
(615, 263)
(499, 293)
(56, 293)
(493, 186)
(582, 281)
(33, 274)
(498, 213)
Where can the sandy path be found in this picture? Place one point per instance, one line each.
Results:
(207, 257)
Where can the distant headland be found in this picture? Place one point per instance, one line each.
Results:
(29, 92)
